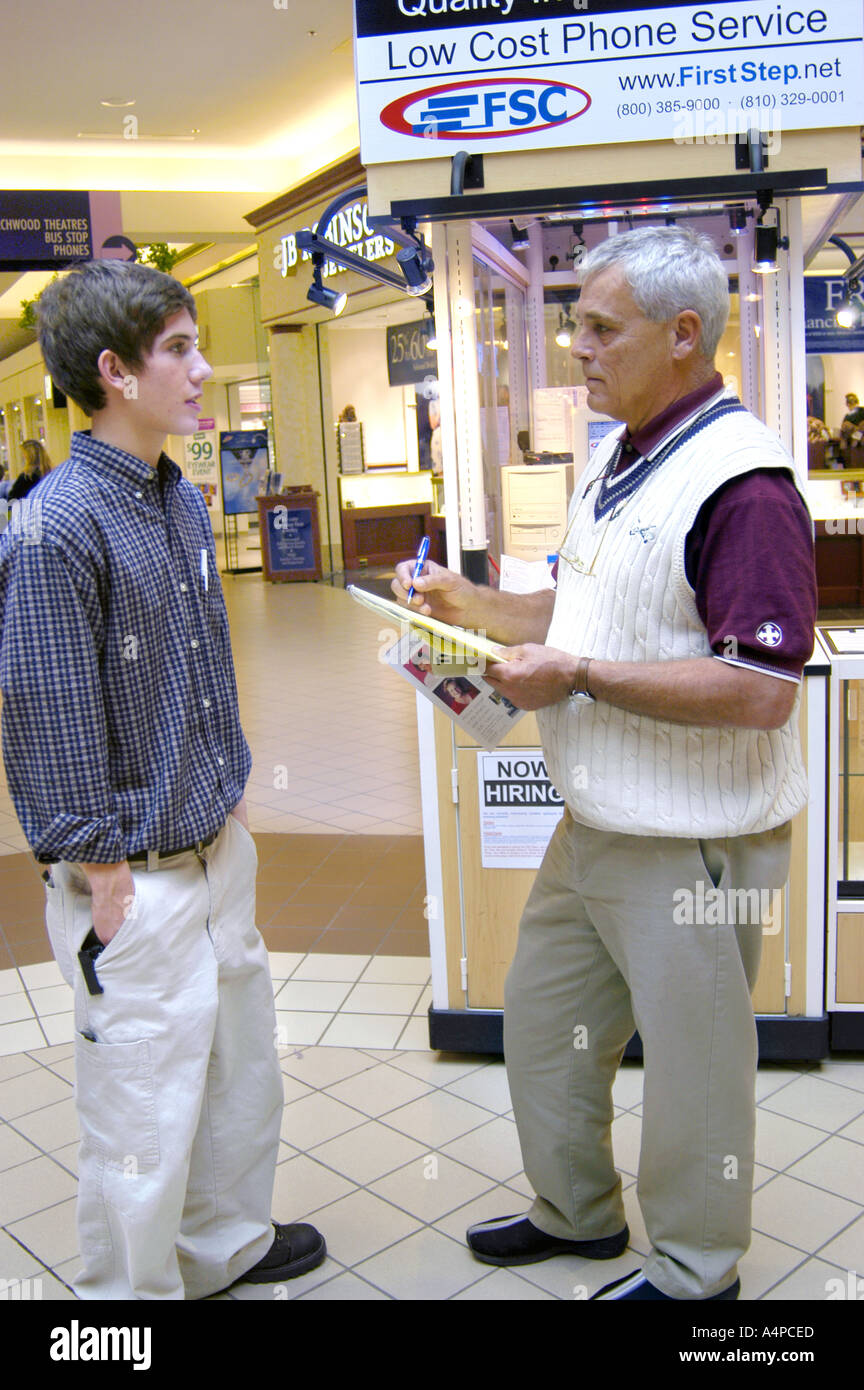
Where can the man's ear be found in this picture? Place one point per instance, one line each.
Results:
(688, 334)
(112, 372)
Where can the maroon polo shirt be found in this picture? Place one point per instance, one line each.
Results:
(748, 556)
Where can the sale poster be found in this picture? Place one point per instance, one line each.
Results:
(201, 465)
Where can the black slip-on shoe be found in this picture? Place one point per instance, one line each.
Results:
(295, 1250)
(636, 1288)
(513, 1240)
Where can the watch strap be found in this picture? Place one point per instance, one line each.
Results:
(581, 684)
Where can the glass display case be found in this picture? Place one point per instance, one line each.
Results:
(844, 983)
(850, 752)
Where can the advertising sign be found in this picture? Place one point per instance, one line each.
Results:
(201, 464)
(245, 463)
(290, 538)
(823, 295)
(519, 808)
(48, 231)
(434, 76)
(410, 361)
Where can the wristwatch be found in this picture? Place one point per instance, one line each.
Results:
(580, 694)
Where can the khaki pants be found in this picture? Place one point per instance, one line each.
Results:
(178, 1089)
(608, 941)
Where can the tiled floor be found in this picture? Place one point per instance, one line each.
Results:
(392, 1150)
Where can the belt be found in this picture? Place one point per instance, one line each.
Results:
(153, 857)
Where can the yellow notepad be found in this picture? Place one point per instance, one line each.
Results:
(459, 637)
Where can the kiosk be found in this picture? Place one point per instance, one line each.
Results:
(514, 196)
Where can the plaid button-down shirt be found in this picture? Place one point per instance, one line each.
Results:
(121, 729)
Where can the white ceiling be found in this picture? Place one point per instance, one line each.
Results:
(265, 89)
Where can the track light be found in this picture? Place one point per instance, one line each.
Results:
(578, 250)
(566, 328)
(765, 250)
(519, 240)
(334, 300)
(738, 219)
(415, 267)
(849, 312)
(414, 260)
(428, 327)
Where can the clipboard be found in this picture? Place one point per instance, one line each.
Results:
(460, 637)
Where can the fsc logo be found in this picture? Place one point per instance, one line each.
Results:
(484, 108)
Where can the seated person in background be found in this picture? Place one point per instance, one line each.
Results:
(851, 427)
(817, 430)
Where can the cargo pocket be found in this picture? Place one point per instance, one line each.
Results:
(116, 1103)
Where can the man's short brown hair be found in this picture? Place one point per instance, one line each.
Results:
(118, 305)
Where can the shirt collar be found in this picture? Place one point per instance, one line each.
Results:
(116, 464)
(646, 439)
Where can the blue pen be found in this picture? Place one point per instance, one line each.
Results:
(420, 562)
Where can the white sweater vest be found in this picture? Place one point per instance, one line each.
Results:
(630, 772)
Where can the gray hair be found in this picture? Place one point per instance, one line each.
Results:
(668, 269)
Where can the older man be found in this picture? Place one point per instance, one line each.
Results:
(667, 693)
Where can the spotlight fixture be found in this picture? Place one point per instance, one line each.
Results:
(849, 313)
(415, 264)
(578, 250)
(566, 328)
(765, 250)
(334, 300)
(738, 219)
(414, 259)
(518, 237)
(429, 327)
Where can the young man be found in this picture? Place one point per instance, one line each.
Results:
(127, 764)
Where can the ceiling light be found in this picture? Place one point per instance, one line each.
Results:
(428, 327)
(334, 300)
(116, 101)
(738, 219)
(765, 250)
(578, 250)
(519, 240)
(566, 329)
(849, 312)
(415, 268)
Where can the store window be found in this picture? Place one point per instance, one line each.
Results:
(531, 396)
(381, 427)
(503, 368)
